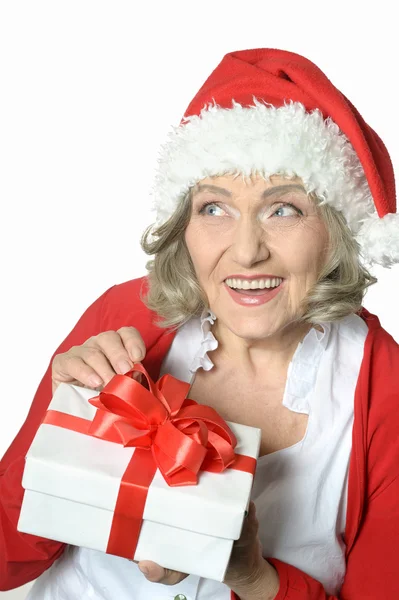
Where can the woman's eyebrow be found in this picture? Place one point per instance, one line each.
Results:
(211, 188)
(283, 189)
(280, 189)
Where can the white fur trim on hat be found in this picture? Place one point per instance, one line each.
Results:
(379, 240)
(262, 138)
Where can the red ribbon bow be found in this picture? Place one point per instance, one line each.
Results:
(182, 435)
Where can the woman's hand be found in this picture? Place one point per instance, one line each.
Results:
(96, 361)
(249, 575)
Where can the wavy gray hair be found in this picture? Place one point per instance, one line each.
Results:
(175, 295)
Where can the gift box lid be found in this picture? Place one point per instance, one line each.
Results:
(88, 470)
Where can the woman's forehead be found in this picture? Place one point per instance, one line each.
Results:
(232, 185)
(239, 181)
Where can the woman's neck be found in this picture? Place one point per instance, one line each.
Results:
(261, 356)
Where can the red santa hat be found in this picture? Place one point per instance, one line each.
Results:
(275, 112)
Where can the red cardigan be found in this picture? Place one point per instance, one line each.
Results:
(372, 527)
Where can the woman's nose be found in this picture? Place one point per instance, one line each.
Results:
(250, 243)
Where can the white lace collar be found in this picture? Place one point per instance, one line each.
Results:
(208, 342)
(302, 370)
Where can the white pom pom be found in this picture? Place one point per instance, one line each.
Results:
(379, 240)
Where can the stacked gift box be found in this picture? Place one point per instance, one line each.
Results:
(142, 472)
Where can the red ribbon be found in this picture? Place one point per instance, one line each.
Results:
(179, 432)
(170, 432)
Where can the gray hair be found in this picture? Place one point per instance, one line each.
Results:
(175, 295)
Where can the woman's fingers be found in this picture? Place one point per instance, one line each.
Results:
(88, 366)
(246, 558)
(96, 361)
(133, 342)
(111, 345)
(250, 527)
(157, 574)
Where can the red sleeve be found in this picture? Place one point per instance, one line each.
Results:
(23, 557)
(297, 585)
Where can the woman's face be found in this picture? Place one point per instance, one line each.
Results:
(255, 227)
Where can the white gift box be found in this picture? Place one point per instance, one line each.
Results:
(72, 481)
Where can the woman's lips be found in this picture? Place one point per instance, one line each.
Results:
(254, 298)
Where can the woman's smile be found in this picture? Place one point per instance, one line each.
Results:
(256, 297)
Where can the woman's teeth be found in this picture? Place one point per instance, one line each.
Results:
(254, 284)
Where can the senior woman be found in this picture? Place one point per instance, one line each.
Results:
(272, 197)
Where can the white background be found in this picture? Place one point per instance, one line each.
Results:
(89, 91)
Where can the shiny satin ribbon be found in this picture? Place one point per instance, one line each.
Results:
(170, 432)
(179, 432)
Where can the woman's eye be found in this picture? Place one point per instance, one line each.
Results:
(204, 207)
(287, 210)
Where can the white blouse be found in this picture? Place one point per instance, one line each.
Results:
(300, 492)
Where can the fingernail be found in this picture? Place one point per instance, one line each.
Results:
(124, 366)
(95, 380)
(144, 570)
(136, 354)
